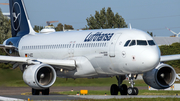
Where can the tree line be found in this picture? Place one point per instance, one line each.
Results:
(5, 28)
(105, 19)
(5, 33)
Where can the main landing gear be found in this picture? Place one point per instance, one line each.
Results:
(37, 91)
(122, 88)
(119, 88)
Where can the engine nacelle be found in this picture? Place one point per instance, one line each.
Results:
(39, 76)
(162, 77)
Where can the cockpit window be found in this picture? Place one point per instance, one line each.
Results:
(133, 42)
(141, 42)
(127, 43)
(151, 42)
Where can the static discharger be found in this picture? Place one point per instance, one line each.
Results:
(84, 92)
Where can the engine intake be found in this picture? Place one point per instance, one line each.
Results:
(162, 77)
(39, 76)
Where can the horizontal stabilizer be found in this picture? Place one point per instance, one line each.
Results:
(7, 46)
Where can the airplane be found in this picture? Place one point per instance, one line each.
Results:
(48, 28)
(121, 52)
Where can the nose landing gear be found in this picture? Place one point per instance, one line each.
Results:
(132, 90)
(122, 88)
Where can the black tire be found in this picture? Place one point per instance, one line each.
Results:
(114, 89)
(130, 91)
(123, 89)
(45, 91)
(136, 91)
(35, 92)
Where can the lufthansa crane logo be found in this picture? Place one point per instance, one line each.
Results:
(16, 14)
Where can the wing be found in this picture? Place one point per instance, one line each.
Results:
(68, 64)
(170, 57)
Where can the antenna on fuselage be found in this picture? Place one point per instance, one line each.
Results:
(130, 26)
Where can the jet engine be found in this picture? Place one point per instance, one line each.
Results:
(162, 77)
(39, 76)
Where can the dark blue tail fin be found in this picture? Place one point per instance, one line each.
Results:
(20, 24)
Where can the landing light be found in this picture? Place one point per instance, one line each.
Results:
(61, 69)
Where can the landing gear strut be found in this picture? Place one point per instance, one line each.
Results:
(122, 88)
(36, 91)
(132, 90)
(119, 88)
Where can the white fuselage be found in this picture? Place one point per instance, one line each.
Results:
(105, 49)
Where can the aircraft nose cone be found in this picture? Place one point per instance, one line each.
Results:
(150, 59)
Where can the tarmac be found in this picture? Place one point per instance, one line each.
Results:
(75, 97)
(15, 94)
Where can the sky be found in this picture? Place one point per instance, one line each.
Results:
(147, 15)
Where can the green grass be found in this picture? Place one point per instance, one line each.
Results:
(141, 92)
(133, 99)
(158, 92)
(90, 92)
(13, 78)
(93, 82)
